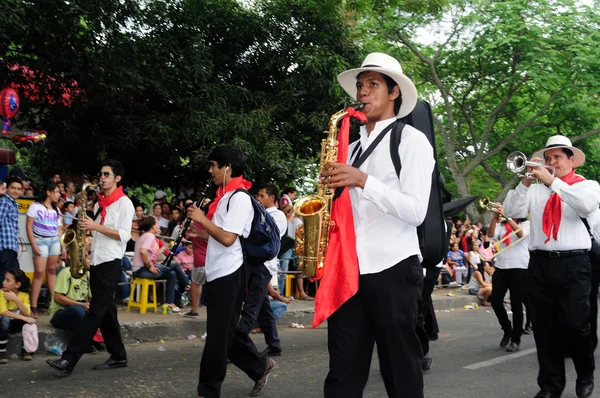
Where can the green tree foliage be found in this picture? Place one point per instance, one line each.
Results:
(157, 84)
(502, 75)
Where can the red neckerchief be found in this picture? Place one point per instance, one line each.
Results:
(509, 231)
(104, 202)
(553, 209)
(232, 185)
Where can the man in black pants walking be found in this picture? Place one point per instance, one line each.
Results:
(111, 231)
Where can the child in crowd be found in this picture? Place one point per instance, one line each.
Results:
(15, 309)
(186, 258)
(69, 211)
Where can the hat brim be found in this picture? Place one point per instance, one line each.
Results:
(577, 153)
(408, 90)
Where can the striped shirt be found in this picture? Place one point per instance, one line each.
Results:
(45, 221)
(9, 224)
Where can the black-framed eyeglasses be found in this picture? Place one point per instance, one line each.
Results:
(105, 174)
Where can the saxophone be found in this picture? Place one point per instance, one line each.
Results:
(312, 237)
(74, 239)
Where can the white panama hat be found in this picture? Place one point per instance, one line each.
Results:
(560, 141)
(387, 65)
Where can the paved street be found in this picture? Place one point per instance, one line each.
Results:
(467, 364)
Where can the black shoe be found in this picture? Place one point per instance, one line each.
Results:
(271, 352)
(433, 338)
(545, 394)
(505, 340)
(584, 387)
(426, 364)
(513, 347)
(62, 365)
(111, 364)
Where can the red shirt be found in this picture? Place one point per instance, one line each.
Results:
(199, 246)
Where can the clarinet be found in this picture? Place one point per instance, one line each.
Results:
(186, 225)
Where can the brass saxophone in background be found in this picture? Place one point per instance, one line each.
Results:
(312, 237)
(74, 239)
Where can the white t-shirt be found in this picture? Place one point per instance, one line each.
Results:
(518, 255)
(45, 221)
(221, 260)
(281, 221)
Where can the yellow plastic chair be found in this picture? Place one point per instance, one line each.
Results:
(143, 303)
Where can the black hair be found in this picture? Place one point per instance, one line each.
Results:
(117, 168)
(288, 190)
(229, 155)
(20, 277)
(391, 83)
(270, 189)
(12, 179)
(67, 203)
(146, 223)
(50, 186)
(140, 204)
(68, 183)
(567, 152)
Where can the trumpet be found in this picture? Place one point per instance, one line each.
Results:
(517, 163)
(485, 203)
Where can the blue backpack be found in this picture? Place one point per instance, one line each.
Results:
(263, 242)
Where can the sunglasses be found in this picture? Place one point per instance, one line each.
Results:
(105, 174)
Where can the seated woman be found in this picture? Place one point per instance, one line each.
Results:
(456, 259)
(144, 259)
(480, 284)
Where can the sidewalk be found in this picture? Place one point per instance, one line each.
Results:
(137, 328)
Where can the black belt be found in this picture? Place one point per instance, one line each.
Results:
(560, 254)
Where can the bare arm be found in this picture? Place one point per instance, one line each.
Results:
(61, 299)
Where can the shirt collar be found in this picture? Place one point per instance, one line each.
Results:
(365, 138)
(10, 198)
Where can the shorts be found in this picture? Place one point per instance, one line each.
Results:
(48, 246)
(473, 292)
(199, 275)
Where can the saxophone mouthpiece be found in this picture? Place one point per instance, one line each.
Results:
(358, 106)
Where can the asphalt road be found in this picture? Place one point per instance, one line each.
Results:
(467, 363)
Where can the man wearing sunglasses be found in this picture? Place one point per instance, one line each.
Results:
(111, 230)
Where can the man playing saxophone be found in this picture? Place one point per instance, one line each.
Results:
(387, 211)
(111, 230)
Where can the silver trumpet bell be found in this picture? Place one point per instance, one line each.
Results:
(517, 163)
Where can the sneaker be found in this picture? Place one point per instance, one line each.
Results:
(262, 382)
(191, 314)
(26, 356)
(174, 308)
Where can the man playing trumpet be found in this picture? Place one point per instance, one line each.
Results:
(559, 275)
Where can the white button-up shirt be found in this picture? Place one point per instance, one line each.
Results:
(578, 200)
(118, 217)
(222, 260)
(389, 209)
(279, 218)
(518, 254)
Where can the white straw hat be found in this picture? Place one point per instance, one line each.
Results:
(560, 141)
(387, 65)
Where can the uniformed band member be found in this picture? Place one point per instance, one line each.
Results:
(510, 274)
(559, 277)
(387, 211)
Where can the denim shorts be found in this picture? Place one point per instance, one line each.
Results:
(48, 246)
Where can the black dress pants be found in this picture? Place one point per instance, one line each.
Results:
(223, 306)
(512, 280)
(384, 310)
(102, 314)
(427, 326)
(256, 306)
(594, 306)
(558, 292)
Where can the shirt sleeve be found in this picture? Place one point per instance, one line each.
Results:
(62, 284)
(32, 210)
(583, 197)
(239, 214)
(24, 297)
(124, 221)
(516, 204)
(3, 303)
(409, 199)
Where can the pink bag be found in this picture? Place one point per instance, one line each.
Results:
(30, 337)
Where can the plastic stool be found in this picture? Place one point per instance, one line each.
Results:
(288, 285)
(143, 303)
